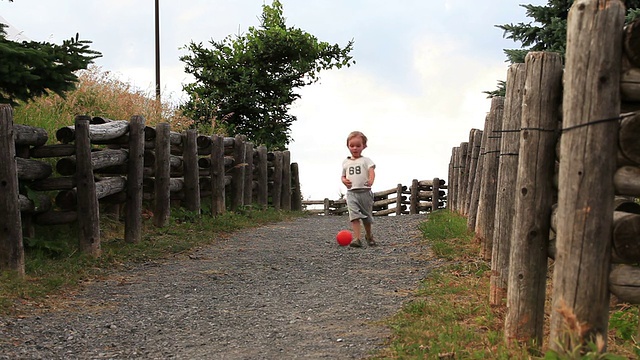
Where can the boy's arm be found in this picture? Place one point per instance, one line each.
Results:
(372, 176)
(344, 179)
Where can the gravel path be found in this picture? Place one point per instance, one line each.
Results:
(282, 291)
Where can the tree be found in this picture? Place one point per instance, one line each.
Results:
(245, 83)
(549, 35)
(32, 69)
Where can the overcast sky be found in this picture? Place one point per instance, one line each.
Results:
(415, 90)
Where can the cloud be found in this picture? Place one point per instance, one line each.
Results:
(411, 132)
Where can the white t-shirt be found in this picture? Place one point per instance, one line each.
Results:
(357, 171)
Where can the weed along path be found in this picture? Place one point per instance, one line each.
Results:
(281, 291)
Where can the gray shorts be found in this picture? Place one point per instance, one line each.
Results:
(360, 205)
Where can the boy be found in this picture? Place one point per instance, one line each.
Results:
(358, 174)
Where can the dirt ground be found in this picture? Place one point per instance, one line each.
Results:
(282, 291)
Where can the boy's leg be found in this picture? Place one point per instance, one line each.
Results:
(369, 234)
(355, 225)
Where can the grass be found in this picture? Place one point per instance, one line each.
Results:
(98, 93)
(450, 317)
(53, 266)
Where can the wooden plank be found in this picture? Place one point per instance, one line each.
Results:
(624, 283)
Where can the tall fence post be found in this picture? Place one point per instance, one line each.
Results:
(477, 181)
(527, 275)
(191, 171)
(506, 186)
(453, 181)
(475, 136)
(487, 199)
(276, 190)
(89, 218)
(217, 175)
(162, 176)
(248, 173)
(587, 150)
(296, 192)
(464, 176)
(435, 194)
(135, 174)
(415, 193)
(450, 181)
(237, 181)
(399, 200)
(263, 177)
(11, 247)
(286, 180)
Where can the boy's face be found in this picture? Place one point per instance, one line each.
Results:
(356, 146)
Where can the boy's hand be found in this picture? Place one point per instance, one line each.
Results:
(346, 182)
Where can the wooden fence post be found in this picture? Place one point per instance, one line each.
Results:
(487, 199)
(587, 165)
(453, 184)
(162, 176)
(450, 180)
(263, 177)
(276, 190)
(435, 194)
(296, 193)
(191, 171)
(286, 181)
(237, 182)
(477, 181)
(327, 203)
(464, 176)
(217, 175)
(415, 193)
(89, 213)
(399, 200)
(135, 169)
(506, 184)
(534, 197)
(474, 150)
(11, 247)
(248, 173)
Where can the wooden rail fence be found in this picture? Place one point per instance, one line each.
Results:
(104, 165)
(555, 174)
(422, 195)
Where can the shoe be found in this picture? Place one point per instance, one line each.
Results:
(370, 241)
(356, 243)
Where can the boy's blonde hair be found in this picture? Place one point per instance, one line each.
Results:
(356, 134)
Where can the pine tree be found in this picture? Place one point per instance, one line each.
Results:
(547, 31)
(32, 69)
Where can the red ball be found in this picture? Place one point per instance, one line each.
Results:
(344, 237)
